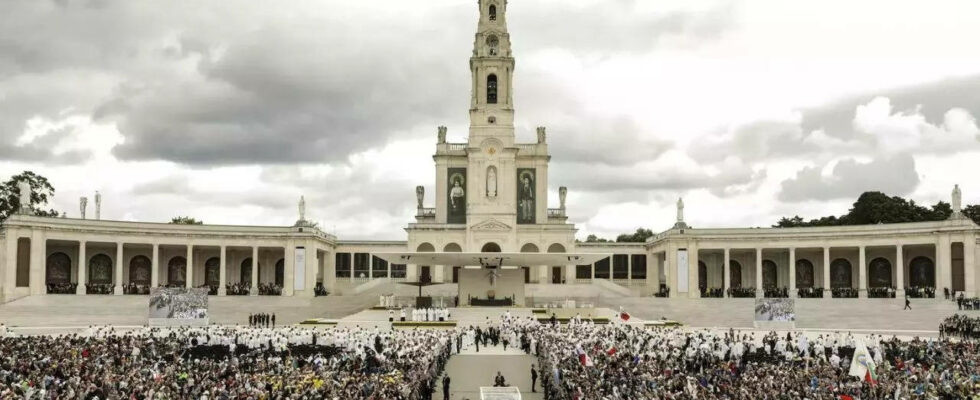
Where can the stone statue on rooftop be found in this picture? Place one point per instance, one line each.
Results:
(542, 136)
(302, 208)
(98, 205)
(82, 205)
(24, 196)
(957, 203)
(442, 134)
(420, 194)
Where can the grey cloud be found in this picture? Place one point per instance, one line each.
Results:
(612, 26)
(602, 178)
(895, 176)
(174, 184)
(932, 99)
(754, 141)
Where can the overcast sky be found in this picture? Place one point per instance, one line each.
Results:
(228, 111)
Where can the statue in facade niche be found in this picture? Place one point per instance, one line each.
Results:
(24, 196)
(492, 182)
(442, 134)
(541, 134)
(562, 193)
(420, 194)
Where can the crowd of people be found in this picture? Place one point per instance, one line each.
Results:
(743, 292)
(262, 320)
(237, 289)
(881, 292)
(920, 292)
(844, 292)
(712, 292)
(810, 293)
(319, 290)
(575, 361)
(776, 292)
(960, 326)
(270, 289)
(62, 288)
(99, 288)
(224, 363)
(967, 303)
(628, 362)
(133, 288)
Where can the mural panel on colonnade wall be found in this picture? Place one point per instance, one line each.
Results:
(526, 181)
(456, 206)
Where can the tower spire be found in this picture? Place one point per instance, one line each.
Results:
(492, 69)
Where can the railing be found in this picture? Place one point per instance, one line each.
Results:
(556, 213)
(426, 213)
(529, 147)
(457, 146)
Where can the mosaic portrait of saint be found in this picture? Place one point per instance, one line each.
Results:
(525, 196)
(457, 195)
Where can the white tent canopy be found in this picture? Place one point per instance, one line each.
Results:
(491, 259)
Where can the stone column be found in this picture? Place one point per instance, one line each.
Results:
(943, 264)
(39, 256)
(223, 271)
(652, 276)
(371, 269)
(758, 273)
(9, 266)
(670, 270)
(119, 268)
(899, 271)
(82, 268)
(862, 273)
(330, 275)
(693, 277)
(289, 268)
(254, 291)
(189, 275)
(727, 271)
(629, 270)
(155, 267)
(826, 273)
(792, 273)
(969, 265)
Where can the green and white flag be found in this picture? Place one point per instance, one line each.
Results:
(863, 365)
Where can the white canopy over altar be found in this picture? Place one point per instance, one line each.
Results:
(491, 260)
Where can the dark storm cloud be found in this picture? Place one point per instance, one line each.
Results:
(895, 175)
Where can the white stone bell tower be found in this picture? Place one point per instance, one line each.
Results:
(492, 69)
(491, 153)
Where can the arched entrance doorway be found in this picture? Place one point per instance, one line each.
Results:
(490, 247)
(58, 269)
(840, 274)
(177, 272)
(922, 272)
(804, 274)
(880, 273)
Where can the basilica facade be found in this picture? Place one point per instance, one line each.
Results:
(491, 196)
